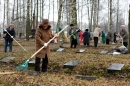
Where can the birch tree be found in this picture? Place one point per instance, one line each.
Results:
(95, 13)
(73, 12)
(110, 23)
(59, 13)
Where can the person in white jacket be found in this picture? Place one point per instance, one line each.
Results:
(96, 34)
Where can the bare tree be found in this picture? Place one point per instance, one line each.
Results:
(49, 10)
(13, 12)
(110, 23)
(37, 14)
(28, 27)
(59, 13)
(95, 13)
(4, 16)
(117, 15)
(129, 30)
(7, 11)
(73, 12)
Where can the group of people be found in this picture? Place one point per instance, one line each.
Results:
(44, 34)
(98, 32)
(122, 37)
(76, 34)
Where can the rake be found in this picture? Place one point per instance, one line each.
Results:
(15, 40)
(24, 66)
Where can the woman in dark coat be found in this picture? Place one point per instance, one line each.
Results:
(86, 36)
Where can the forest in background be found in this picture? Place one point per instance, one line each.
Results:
(26, 14)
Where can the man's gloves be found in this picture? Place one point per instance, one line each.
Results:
(45, 45)
(11, 36)
(56, 35)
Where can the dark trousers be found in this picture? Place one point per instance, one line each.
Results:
(10, 43)
(73, 42)
(107, 41)
(115, 41)
(86, 44)
(125, 44)
(44, 64)
(95, 41)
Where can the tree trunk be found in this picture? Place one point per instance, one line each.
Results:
(95, 13)
(98, 11)
(37, 14)
(73, 12)
(4, 17)
(91, 20)
(28, 27)
(110, 24)
(24, 22)
(42, 8)
(49, 10)
(117, 18)
(7, 11)
(59, 13)
(12, 19)
(53, 14)
(129, 31)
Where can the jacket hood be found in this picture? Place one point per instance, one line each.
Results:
(44, 23)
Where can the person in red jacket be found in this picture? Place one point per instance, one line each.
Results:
(81, 37)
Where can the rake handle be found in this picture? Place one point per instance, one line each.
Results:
(48, 42)
(15, 40)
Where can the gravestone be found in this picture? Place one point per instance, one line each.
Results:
(86, 77)
(60, 49)
(71, 63)
(103, 52)
(114, 67)
(80, 51)
(32, 63)
(7, 59)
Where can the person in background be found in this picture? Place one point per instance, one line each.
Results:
(86, 36)
(124, 35)
(96, 35)
(42, 36)
(81, 36)
(103, 37)
(74, 36)
(9, 35)
(109, 37)
(114, 37)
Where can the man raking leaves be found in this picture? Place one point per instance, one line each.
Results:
(42, 38)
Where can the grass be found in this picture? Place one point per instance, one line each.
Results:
(92, 63)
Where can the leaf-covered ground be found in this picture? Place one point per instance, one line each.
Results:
(92, 64)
